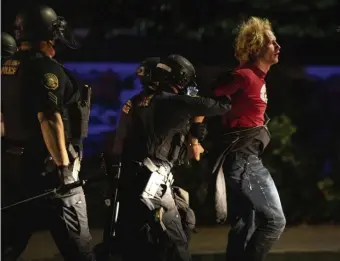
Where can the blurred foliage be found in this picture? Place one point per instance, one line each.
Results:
(281, 129)
(327, 186)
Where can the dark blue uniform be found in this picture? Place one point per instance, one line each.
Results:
(155, 127)
(33, 83)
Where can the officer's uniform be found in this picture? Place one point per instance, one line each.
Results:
(160, 122)
(32, 83)
(109, 245)
(8, 48)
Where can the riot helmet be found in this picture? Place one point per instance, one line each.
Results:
(177, 72)
(145, 72)
(41, 23)
(8, 45)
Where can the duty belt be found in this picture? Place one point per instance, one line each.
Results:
(159, 175)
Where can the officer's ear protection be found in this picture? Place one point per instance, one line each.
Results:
(176, 76)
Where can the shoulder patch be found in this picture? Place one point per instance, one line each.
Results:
(50, 81)
(145, 101)
(127, 106)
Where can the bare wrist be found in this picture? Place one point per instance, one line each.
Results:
(62, 164)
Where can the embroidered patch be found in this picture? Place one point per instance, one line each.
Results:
(145, 102)
(53, 98)
(51, 81)
(127, 106)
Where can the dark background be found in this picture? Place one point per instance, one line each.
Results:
(303, 89)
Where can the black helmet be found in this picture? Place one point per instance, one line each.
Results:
(41, 23)
(176, 71)
(146, 70)
(8, 45)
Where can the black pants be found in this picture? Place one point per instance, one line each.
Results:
(149, 242)
(65, 216)
(254, 208)
(142, 235)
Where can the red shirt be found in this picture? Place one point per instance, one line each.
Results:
(248, 96)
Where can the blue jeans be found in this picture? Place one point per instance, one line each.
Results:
(254, 208)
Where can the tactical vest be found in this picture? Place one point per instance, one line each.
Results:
(170, 147)
(77, 112)
(145, 139)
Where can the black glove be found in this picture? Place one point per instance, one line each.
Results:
(198, 130)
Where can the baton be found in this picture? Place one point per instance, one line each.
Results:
(55, 191)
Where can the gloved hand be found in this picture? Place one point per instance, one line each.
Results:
(198, 130)
(65, 175)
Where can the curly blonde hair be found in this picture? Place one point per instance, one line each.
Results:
(251, 38)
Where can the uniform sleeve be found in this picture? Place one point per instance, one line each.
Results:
(124, 126)
(49, 83)
(198, 106)
(228, 89)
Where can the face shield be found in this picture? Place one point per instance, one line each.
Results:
(63, 33)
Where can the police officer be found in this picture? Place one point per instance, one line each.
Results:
(149, 221)
(8, 47)
(144, 72)
(112, 158)
(44, 113)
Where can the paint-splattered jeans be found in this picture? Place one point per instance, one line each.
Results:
(254, 208)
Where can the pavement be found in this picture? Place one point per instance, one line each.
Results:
(302, 243)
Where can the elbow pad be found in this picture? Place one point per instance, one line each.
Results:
(223, 99)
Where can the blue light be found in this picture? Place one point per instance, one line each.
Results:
(103, 118)
(323, 72)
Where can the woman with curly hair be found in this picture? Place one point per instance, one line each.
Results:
(254, 208)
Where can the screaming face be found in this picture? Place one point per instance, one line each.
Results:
(270, 52)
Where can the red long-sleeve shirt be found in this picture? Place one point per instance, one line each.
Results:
(248, 95)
